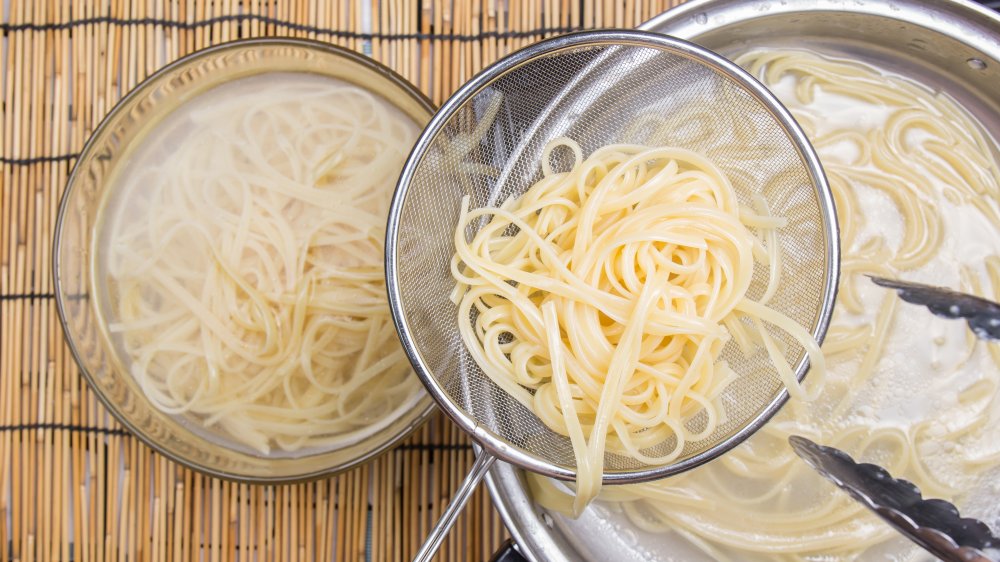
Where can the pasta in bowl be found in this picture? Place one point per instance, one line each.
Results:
(219, 260)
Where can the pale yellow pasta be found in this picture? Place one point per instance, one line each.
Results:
(602, 297)
(917, 186)
(246, 263)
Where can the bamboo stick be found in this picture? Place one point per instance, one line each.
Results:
(21, 529)
(50, 407)
(456, 472)
(395, 506)
(329, 538)
(463, 19)
(6, 409)
(6, 397)
(413, 45)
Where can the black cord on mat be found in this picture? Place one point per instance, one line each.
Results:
(64, 427)
(27, 296)
(434, 447)
(38, 159)
(76, 428)
(428, 447)
(239, 18)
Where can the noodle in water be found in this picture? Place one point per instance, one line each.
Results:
(246, 266)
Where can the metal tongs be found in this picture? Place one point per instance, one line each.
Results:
(982, 315)
(934, 524)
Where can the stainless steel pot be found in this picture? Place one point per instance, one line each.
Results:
(953, 45)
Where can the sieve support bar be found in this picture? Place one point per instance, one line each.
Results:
(433, 541)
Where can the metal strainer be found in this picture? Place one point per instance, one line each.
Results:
(599, 88)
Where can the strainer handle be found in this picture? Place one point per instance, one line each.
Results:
(433, 541)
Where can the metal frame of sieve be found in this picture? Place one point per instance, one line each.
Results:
(494, 445)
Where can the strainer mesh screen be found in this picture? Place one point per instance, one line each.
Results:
(598, 95)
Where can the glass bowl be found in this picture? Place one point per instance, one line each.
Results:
(79, 290)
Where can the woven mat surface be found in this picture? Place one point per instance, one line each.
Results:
(73, 484)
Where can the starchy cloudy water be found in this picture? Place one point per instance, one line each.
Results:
(917, 187)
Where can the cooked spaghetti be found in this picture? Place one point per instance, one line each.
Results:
(602, 297)
(917, 186)
(246, 263)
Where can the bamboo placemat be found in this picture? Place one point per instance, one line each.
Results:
(73, 484)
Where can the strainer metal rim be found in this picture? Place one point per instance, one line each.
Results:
(490, 441)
